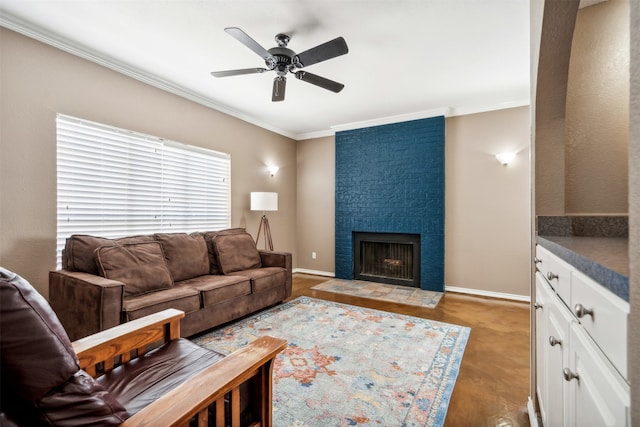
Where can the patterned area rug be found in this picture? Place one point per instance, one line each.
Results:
(348, 365)
(381, 291)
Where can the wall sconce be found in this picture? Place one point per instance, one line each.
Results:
(273, 170)
(505, 158)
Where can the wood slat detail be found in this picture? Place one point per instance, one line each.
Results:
(128, 336)
(186, 400)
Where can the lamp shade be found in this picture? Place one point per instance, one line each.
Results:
(264, 201)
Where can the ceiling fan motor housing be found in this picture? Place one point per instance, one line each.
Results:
(283, 60)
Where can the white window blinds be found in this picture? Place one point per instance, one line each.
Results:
(113, 182)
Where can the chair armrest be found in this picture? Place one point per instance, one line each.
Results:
(120, 340)
(85, 303)
(279, 259)
(194, 396)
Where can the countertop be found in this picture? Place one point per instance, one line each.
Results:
(604, 259)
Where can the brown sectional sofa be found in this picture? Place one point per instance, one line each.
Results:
(214, 277)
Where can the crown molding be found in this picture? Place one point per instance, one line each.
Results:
(465, 111)
(37, 33)
(444, 111)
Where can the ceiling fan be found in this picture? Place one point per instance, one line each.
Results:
(283, 60)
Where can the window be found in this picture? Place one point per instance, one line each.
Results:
(114, 182)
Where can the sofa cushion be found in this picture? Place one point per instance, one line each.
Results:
(179, 297)
(264, 278)
(140, 266)
(216, 289)
(163, 368)
(211, 251)
(79, 251)
(236, 252)
(41, 379)
(214, 268)
(186, 254)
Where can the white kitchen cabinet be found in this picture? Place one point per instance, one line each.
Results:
(552, 340)
(543, 294)
(580, 348)
(597, 395)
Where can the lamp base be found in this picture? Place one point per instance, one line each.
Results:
(264, 226)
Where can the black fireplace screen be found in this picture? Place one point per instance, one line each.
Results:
(387, 258)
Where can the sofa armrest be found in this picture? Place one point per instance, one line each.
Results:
(252, 364)
(279, 259)
(85, 303)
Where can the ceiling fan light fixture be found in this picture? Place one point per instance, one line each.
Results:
(279, 87)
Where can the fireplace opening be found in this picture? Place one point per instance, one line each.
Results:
(387, 258)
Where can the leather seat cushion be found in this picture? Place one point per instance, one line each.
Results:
(264, 278)
(179, 297)
(217, 289)
(147, 378)
(81, 401)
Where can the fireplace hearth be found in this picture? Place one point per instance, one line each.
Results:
(392, 258)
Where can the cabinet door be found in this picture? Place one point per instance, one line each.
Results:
(598, 396)
(558, 351)
(542, 319)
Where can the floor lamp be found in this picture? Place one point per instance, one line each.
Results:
(264, 201)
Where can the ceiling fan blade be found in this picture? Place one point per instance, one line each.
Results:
(244, 38)
(319, 81)
(229, 73)
(279, 85)
(328, 50)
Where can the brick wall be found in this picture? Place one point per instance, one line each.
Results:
(390, 178)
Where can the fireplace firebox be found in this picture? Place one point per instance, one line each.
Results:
(392, 258)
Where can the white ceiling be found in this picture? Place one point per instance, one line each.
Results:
(407, 58)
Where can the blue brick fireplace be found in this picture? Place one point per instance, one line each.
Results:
(390, 179)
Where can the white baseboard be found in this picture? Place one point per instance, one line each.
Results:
(514, 297)
(314, 272)
(533, 417)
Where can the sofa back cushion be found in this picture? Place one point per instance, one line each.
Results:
(41, 380)
(140, 266)
(79, 251)
(186, 255)
(214, 268)
(235, 251)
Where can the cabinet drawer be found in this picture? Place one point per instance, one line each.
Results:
(557, 272)
(607, 324)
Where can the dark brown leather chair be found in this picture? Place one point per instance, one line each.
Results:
(138, 373)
